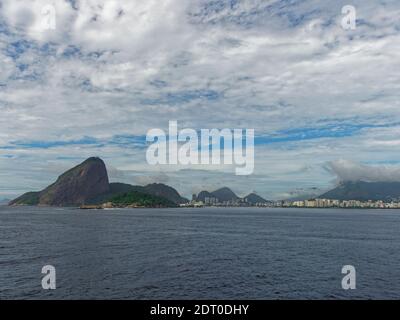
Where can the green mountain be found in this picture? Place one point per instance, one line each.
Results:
(140, 199)
(364, 191)
(156, 190)
(162, 190)
(87, 184)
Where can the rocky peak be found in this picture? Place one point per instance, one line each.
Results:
(77, 185)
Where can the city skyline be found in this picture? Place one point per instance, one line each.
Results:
(323, 101)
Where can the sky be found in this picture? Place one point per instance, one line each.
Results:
(323, 100)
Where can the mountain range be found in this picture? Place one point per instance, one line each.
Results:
(225, 194)
(88, 184)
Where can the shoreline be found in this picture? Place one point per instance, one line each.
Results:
(101, 207)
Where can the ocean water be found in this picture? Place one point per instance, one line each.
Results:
(206, 253)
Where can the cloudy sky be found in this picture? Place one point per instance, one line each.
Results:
(324, 101)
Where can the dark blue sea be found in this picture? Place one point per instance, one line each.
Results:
(205, 253)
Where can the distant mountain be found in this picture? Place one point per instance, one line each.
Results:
(203, 195)
(253, 199)
(88, 184)
(364, 191)
(222, 194)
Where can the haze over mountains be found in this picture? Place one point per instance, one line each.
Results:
(364, 191)
(347, 190)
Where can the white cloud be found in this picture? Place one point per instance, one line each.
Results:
(346, 170)
(122, 67)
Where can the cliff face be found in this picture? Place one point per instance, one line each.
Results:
(77, 185)
(73, 188)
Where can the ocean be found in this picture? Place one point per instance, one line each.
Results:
(199, 253)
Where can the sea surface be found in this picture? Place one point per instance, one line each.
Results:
(204, 253)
